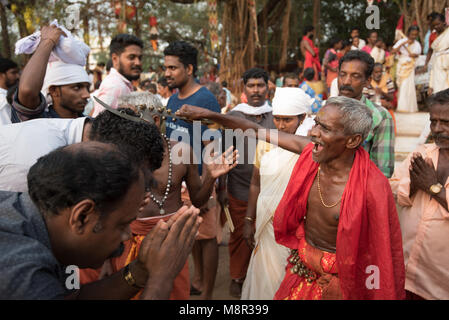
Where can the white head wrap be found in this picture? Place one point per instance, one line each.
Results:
(291, 102)
(60, 73)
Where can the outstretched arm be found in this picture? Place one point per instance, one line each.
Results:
(290, 142)
(33, 75)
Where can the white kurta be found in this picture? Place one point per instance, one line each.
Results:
(406, 76)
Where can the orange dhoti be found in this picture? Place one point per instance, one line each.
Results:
(239, 252)
(140, 228)
(316, 274)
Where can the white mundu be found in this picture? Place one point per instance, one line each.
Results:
(21, 144)
(439, 74)
(406, 76)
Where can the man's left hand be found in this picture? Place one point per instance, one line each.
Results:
(422, 173)
(222, 164)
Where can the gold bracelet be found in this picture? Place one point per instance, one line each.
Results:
(128, 276)
(249, 219)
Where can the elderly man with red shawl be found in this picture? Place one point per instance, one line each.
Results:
(338, 214)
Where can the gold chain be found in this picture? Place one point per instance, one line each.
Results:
(319, 192)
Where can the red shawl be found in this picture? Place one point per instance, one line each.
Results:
(368, 232)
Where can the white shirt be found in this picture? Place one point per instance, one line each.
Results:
(21, 144)
(5, 109)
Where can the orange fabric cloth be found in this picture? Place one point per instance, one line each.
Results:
(368, 231)
(425, 229)
(140, 228)
(327, 284)
(239, 252)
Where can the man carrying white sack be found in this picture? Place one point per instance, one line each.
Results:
(53, 70)
(272, 169)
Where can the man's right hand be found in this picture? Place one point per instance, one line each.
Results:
(165, 249)
(192, 112)
(52, 33)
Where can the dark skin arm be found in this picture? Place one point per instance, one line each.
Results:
(422, 176)
(162, 255)
(200, 191)
(249, 228)
(33, 74)
(290, 142)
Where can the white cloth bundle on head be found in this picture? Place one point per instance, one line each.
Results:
(66, 62)
(68, 49)
(291, 102)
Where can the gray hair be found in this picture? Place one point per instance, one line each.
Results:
(142, 101)
(356, 117)
(138, 98)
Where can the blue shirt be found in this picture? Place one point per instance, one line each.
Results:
(28, 268)
(187, 132)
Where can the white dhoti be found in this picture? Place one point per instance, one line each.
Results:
(439, 74)
(406, 85)
(267, 265)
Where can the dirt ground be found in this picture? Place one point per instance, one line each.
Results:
(223, 280)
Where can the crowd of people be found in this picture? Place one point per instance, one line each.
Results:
(123, 174)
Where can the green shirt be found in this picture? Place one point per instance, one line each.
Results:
(380, 141)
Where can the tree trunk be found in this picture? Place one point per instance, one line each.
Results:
(316, 21)
(5, 35)
(285, 35)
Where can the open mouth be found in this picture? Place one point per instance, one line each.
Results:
(317, 148)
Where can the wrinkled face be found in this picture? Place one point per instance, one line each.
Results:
(73, 97)
(351, 79)
(377, 73)
(291, 83)
(256, 91)
(287, 124)
(439, 125)
(176, 73)
(328, 135)
(129, 62)
(11, 77)
(114, 228)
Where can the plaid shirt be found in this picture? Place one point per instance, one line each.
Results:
(380, 141)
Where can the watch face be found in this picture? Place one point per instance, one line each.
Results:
(435, 188)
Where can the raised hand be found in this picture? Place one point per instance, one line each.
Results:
(192, 112)
(221, 165)
(52, 33)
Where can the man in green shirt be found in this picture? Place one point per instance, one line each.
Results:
(354, 74)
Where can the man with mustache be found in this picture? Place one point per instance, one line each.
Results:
(81, 201)
(125, 51)
(258, 111)
(64, 86)
(354, 75)
(420, 184)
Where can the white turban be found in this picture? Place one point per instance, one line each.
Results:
(60, 73)
(291, 102)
